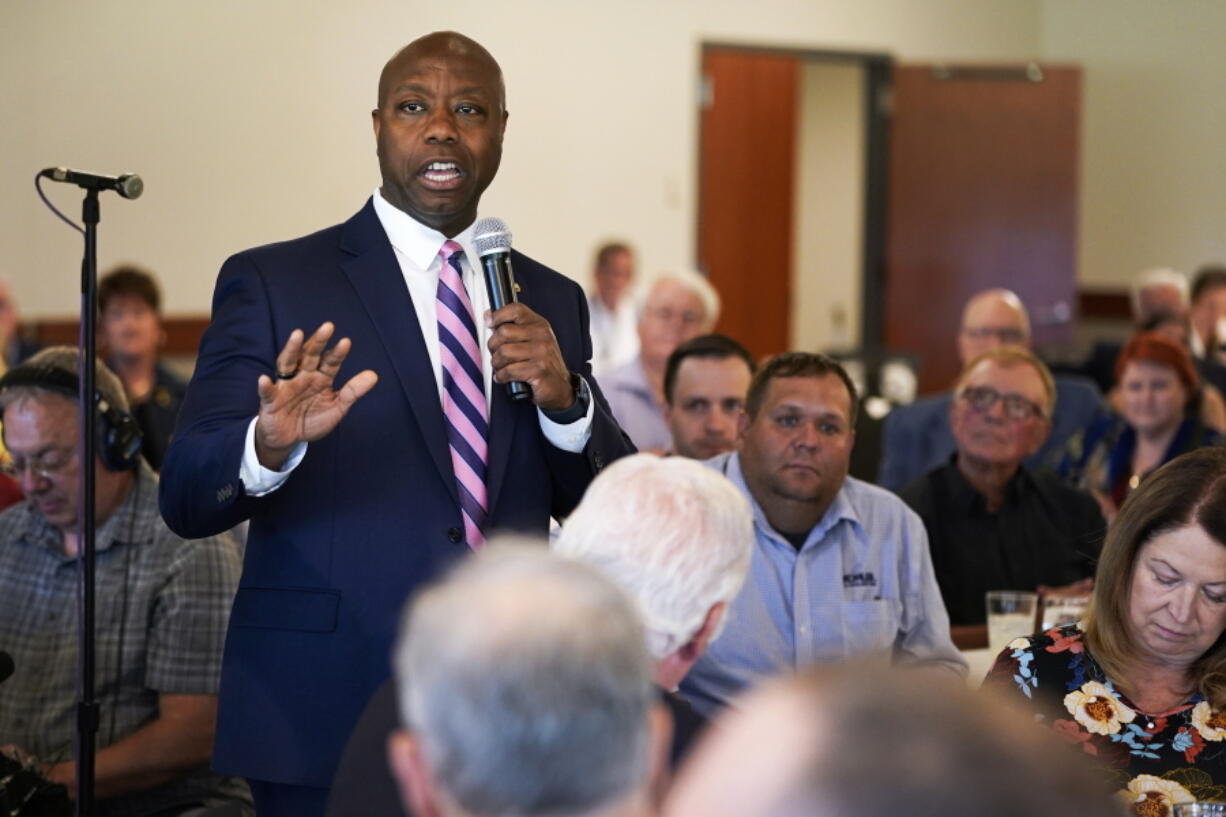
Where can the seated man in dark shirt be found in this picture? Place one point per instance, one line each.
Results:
(993, 523)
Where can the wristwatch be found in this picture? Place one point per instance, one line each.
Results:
(578, 410)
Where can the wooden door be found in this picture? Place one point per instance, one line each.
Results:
(746, 169)
(982, 192)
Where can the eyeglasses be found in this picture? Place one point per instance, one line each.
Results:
(1005, 334)
(666, 314)
(48, 466)
(982, 398)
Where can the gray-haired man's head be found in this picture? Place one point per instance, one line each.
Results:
(526, 690)
(678, 537)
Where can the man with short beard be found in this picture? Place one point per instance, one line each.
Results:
(356, 493)
(840, 567)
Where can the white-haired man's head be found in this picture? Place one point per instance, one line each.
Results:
(678, 537)
(672, 308)
(1159, 293)
(526, 690)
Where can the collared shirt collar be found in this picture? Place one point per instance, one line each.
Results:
(842, 508)
(419, 243)
(967, 499)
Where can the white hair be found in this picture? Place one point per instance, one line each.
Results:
(1158, 277)
(675, 534)
(526, 678)
(695, 282)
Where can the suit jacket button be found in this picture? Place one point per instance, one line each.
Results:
(598, 460)
(455, 535)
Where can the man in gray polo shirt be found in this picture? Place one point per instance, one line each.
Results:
(162, 606)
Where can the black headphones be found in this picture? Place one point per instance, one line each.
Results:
(117, 434)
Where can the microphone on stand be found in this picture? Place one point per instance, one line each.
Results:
(128, 185)
(492, 239)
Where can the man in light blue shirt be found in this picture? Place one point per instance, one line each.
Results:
(840, 568)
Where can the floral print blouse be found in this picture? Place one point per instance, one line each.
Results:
(1178, 757)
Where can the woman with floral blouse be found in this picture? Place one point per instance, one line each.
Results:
(1140, 683)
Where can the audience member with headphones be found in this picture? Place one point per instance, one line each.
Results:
(162, 606)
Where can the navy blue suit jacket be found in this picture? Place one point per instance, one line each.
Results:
(371, 512)
(917, 437)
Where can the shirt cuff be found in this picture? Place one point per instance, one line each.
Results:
(570, 437)
(258, 480)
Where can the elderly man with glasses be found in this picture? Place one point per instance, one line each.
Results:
(678, 306)
(993, 523)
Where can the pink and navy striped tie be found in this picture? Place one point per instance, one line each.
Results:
(464, 406)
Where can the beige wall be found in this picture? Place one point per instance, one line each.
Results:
(1153, 179)
(250, 120)
(827, 268)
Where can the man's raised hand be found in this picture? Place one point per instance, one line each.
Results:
(300, 405)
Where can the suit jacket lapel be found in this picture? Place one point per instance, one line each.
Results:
(373, 271)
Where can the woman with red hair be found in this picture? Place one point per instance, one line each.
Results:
(1159, 418)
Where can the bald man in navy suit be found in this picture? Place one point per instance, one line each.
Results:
(339, 453)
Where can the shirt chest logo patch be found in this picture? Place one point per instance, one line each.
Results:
(859, 580)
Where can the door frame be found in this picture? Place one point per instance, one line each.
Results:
(876, 107)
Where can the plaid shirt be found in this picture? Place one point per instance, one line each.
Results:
(162, 604)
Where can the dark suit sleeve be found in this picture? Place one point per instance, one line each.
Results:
(894, 472)
(200, 493)
(573, 472)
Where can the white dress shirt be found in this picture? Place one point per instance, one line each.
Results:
(417, 251)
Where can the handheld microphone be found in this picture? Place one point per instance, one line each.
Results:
(492, 239)
(6, 666)
(128, 185)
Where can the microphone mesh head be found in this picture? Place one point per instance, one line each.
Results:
(491, 235)
(130, 186)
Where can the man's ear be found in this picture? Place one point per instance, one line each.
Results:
(418, 790)
(710, 625)
(742, 425)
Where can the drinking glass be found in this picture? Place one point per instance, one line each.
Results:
(1010, 614)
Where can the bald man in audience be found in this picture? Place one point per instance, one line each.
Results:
(917, 437)
(850, 742)
(992, 522)
(525, 684)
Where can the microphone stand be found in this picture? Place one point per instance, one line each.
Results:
(87, 705)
